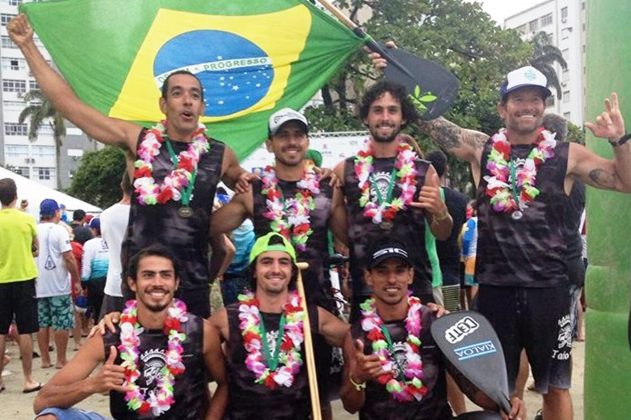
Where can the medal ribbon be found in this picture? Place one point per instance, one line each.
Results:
(188, 191)
(513, 182)
(272, 360)
(386, 333)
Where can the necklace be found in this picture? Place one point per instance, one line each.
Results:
(408, 384)
(279, 368)
(160, 400)
(510, 188)
(291, 217)
(179, 183)
(385, 209)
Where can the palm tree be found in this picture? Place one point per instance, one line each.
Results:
(40, 111)
(544, 55)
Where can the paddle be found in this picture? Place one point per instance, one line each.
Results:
(432, 88)
(470, 344)
(316, 414)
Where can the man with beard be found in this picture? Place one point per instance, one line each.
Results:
(166, 207)
(524, 178)
(156, 362)
(291, 199)
(264, 335)
(392, 344)
(389, 191)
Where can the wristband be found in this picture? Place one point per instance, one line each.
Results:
(358, 386)
(438, 219)
(622, 140)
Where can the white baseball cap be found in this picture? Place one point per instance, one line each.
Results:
(282, 116)
(527, 76)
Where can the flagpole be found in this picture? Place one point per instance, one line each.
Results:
(309, 355)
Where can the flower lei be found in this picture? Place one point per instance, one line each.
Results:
(499, 184)
(406, 175)
(412, 386)
(161, 399)
(289, 358)
(290, 217)
(149, 192)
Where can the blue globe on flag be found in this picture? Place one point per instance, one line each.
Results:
(235, 73)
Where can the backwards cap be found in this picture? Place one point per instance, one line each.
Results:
(272, 242)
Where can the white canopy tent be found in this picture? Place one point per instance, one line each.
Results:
(35, 193)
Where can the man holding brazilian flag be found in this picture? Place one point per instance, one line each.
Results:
(226, 65)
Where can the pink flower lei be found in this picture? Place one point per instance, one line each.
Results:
(289, 357)
(510, 195)
(290, 217)
(161, 399)
(412, 387)
(149, 192)
(406, 175)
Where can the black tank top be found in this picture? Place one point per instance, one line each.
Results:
(248, 400)
(409, 227)
(190, 387)
(186, 238)
(531, 251)
(379, 404)
(317, 286)
(573, 211)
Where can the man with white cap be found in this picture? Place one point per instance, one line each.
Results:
(292, 199)
(524, 178)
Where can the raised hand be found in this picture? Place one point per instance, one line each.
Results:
(111, 376)
(378, 62)
(20, 30)
(609, 124)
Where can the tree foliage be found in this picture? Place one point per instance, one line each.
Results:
(40, 110)
(544, 55)
(97, 180)
(459, 36)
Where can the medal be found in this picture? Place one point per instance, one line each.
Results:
(185, 212)
(517, 215)
(386, 225)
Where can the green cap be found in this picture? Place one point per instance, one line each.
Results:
(262, 245)
(315, 156)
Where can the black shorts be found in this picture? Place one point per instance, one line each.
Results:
(18, 298)
(197, 300)
(537, 320)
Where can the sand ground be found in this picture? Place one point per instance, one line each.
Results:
(16, 405)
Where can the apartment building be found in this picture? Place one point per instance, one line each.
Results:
(564, 23)
(34, 160)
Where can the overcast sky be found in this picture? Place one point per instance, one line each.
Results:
(501, 9)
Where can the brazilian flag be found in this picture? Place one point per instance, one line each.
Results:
(252, 56)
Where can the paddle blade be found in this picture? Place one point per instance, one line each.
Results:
(431, 87)
(471, 345)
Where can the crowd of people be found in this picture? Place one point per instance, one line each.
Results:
(148, 264)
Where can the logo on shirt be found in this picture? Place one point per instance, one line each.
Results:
(154, 360)
(379, 181)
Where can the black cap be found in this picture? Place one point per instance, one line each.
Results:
(387, 249)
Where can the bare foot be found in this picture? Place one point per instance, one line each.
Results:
(46, 365)
(60, 365)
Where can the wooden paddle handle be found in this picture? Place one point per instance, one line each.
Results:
(338, 14)
(309, 354)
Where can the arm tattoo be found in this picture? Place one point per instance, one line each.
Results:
(603, 179)
(450, 136)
